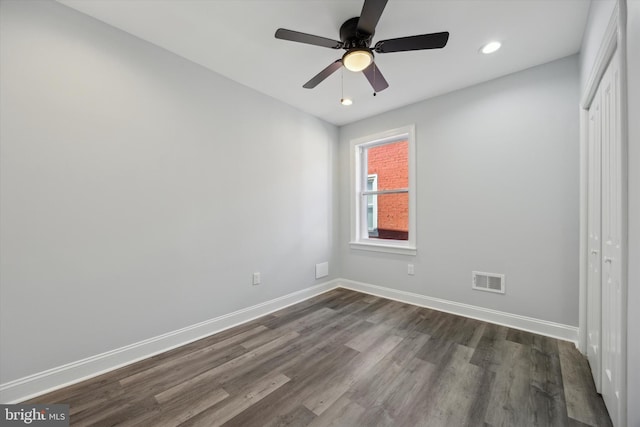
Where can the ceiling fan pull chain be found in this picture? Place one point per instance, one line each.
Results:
(343, 100)
(374, 78)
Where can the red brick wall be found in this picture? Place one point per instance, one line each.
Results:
(390, 162)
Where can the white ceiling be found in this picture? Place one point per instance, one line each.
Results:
(235, 38)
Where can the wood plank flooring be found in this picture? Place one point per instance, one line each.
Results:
(349, 359)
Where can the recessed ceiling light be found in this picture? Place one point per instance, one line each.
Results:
(490, 47)
(346, 101)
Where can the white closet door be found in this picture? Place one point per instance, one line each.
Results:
(612, 310)
(594, 289)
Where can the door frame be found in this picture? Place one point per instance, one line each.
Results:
(613, 39)
(594, 256)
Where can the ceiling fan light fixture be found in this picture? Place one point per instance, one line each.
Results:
(490, 47)
(357, 59)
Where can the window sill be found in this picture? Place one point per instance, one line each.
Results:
(384, 247)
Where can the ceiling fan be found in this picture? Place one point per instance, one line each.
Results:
(356, 35)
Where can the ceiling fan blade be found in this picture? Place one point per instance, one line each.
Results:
(370, 15)
(296, 36)
(403, 44)
(375, 77)
(318, 78)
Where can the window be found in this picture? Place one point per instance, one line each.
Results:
(383, 192)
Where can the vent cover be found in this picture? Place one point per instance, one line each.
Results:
(490, 282)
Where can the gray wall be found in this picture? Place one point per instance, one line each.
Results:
(633, 323)
(497, 172)
(139, 191)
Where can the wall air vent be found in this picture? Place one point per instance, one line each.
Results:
(490, 282)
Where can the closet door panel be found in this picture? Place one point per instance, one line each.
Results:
(612, 310)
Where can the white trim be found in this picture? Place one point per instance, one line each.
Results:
(398, 248)
(583, 265)
(529, 324)
(621, 13)
(74, 372)
(604, 55)
(384, 137)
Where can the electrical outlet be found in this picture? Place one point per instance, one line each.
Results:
(410, 270)
(256, 278)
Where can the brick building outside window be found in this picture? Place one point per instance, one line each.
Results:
(388, 169)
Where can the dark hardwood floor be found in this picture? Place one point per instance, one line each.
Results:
(349, 359)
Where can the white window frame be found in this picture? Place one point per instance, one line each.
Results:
(359, 228)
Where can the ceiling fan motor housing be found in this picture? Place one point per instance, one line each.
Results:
(351, 37)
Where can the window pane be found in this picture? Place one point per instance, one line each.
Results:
(370, 219)
(372, 215)
(392, 219)
(390, 163)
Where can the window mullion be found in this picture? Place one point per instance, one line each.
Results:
(394, 191)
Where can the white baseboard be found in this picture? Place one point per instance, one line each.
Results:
(529, 324)
(71, 373)
(74, 372)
